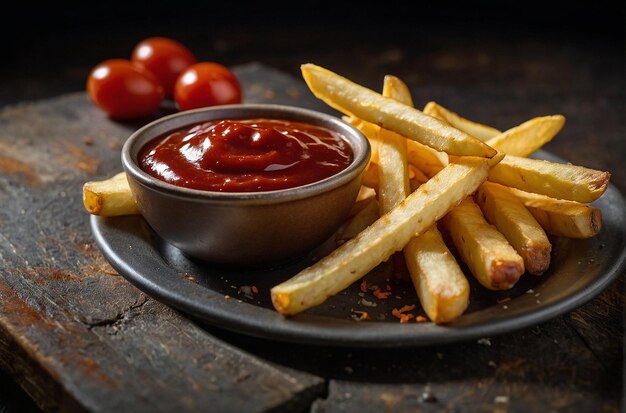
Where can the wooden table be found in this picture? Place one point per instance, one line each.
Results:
(76, 336)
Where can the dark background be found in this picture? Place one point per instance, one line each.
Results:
(48, 50)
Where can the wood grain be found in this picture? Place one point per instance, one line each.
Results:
(73, 333)
(78, 337)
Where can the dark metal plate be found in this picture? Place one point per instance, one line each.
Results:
(580, 270)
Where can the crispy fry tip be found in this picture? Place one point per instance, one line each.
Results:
(280, 302)
(91, 201)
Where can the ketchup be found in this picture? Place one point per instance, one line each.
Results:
(249, 155)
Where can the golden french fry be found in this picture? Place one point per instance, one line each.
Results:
(440, 283)
(561, 181)
(489, 256)
(478, 130)
(368, 129)
(504, 210)
(370, 176)
(390, 233)
(417, 175)
(363, 219)
(415, 184)
(365, 195)
(397, 90)
(425, 158)
(487, 253)
(560, 217)
(526, 138)
(109, 197)
(355, 100)
(393, 169)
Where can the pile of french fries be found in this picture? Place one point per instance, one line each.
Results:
(433, 175)
(433, 171)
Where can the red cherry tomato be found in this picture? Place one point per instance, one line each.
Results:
(124, 90)
(206, 84)
(165, 58)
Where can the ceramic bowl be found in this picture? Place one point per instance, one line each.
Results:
(245, 227)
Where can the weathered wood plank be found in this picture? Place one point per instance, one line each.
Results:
(545, 368)
(73, 333)
(573, 363)
(592, 322)
(57, 286)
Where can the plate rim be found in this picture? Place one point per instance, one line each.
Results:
(312, 329)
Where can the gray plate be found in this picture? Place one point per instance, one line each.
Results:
(580, 270)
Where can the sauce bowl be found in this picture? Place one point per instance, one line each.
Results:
(247, 228)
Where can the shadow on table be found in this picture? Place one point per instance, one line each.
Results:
(13, 399)
(549, 354)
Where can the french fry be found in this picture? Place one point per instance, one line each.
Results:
(504, 210)
(560, 217)
(109, 197)
(370, 176)
(478, 130)
(526, 138)
(556, 216)
(393, 169)
(371, 181)
(361, 220)
(415, 183)
(426, 158)
(489, 256)
(417, 175)
(390, 233)
(363, 198)
(481, 263)
(561, 181)
(439, 282)
(487, 253)
(369, 130)
(355, 100)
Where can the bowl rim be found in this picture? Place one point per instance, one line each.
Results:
(359, 143)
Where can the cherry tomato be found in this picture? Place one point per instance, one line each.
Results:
(165, 58)
(124, 90)
(206, 84)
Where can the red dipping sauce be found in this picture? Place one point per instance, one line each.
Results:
(250, 155)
